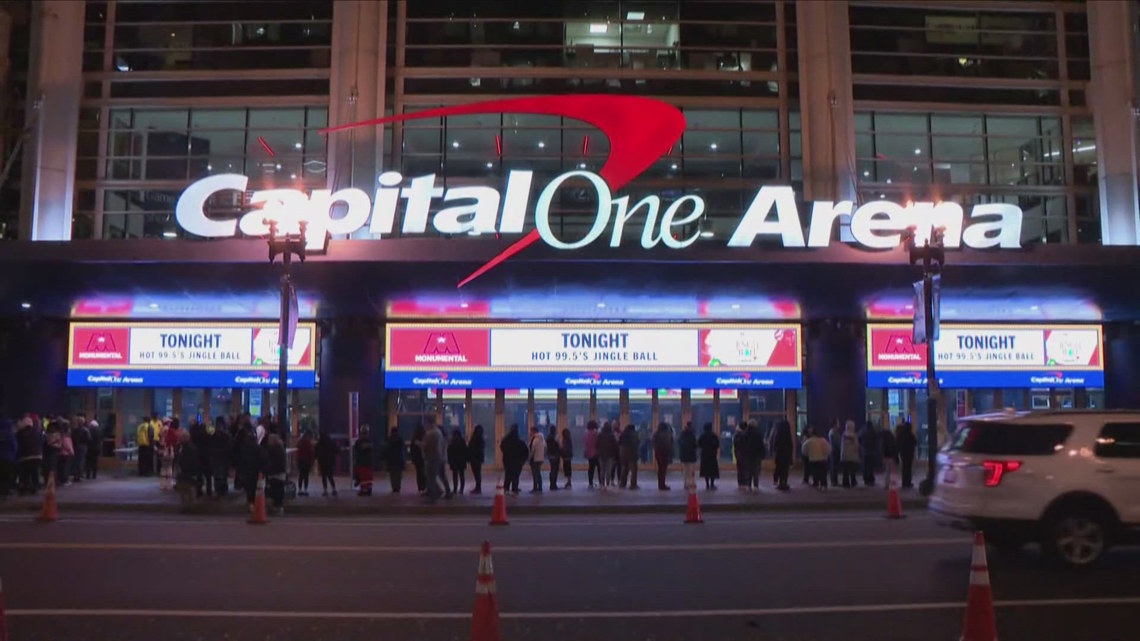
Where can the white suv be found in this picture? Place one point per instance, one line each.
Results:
(1068, 480)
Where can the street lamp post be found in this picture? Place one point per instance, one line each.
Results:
(286, 245)
(931, 255)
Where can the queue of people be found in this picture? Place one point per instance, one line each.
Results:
(34, 449)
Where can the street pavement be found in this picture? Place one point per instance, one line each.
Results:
(847, 576)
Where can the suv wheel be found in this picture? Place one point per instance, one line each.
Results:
(1077, 538)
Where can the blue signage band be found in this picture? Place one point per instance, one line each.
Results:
(298, 379)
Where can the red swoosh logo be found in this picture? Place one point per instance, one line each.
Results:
(640, 131)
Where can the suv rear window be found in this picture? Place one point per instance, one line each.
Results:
(1010, 439)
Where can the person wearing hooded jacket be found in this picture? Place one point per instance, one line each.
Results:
(476, 456)
(663, 453)
(515, 453)
(849, 454)
(608, 452)
(628, 445)
(536, 456)
(687, 446)
(783, 449)
(395, 456)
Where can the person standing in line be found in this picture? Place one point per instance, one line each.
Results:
(537, 454)
(457, 460)
(476, 456)
(221, 452)
(687, 451)
(566, 451)
(442, 476)
(783, 449)
(362, 458)
(608, 452)
(590, 450)
(754, 441)
(515, 453)
(94, 451)
(709, 445)
(870, 451)
(29, 454)
(145, 436)
(394, 458)
(416, 453)
(433, 446)
(275, 470)
(663, 453)
(740, 454)
(804, 436)
(66, 453)
(890, 454)
(327, 453)
(554, 456)
(907, 445)
(81, 440)
(850, 454)
(816, 453)
(306, 456)
(628, 450)
(835, 462)
(250, 463)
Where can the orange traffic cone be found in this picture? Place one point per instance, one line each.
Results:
(50, 512)
(499, 510)
(980, 624)
(485, 620)
(693, 515)
(257, 516)
(3, 620)
(894, 504)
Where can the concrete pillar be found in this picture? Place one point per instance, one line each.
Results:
(826, 110)
(1121, 366)
(55, 89)
(357, 93)
(1112, 96)
(836, 373)
(35, 379)
(350, 362)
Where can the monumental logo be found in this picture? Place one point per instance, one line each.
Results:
(441, 347)
(640, 131)
(99, 345)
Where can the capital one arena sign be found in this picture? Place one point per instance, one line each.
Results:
(640, 131)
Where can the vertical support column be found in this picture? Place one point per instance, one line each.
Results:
(34, 376)
(687, 408)
(176, 405)
(55, 89)
(837, 373)
(827, 115)
(439, 409)
(593, 405)
(1121, 367)
(790, 412)
(468, 411)
(623, 406)
(350, 362)
(500, 424)
(392, 409)
(1112, 94)
(745, 406)
(654, 410)
(716, 411)
(531, 417)
(560, 405)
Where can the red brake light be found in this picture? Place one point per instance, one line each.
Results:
(995, 470)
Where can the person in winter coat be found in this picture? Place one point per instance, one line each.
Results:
(434, 447)
(66, 453)
(327, 452)
(188, 462)
(457, 461)
(94, 450)
(29, 455)
(553, 456)
(566, 450)
(7, 456)
(536, 456)
(515, 453)
(476, 456)
(754, 441)
(416, 453)
(394, 458)
(870, 451)
(783, 449)
(687, 446)
(849, 454)
(249, 463)
(835, 440)
(608, 452)
(275, 469)
(740, 455)
(362, 461)
(709, 445)
(907, 445)
(890, 455)
(306, 456)
(81, 440)
(628, 447)
(816, 452)
(590, 450)
(221, 455)
(662, 453)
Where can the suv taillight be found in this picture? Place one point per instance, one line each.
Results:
(995, 470)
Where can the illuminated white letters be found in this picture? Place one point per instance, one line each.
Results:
(484, 209)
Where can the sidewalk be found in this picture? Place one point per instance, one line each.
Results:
(133, 494)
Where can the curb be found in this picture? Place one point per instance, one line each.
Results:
(443, 508)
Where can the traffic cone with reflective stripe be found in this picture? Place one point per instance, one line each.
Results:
(257, 516)
(693, 515)
(3, 620)
(499, 510)
(485, 620)
(894, 504)
(980, 624)
(50, 511)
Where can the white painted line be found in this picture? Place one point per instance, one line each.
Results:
(470, 549)
(592, 614)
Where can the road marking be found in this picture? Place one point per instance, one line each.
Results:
(592, 614)
(467, 549)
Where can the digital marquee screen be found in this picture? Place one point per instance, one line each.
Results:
(186, 355)
(593, 356)
(1010, 356)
